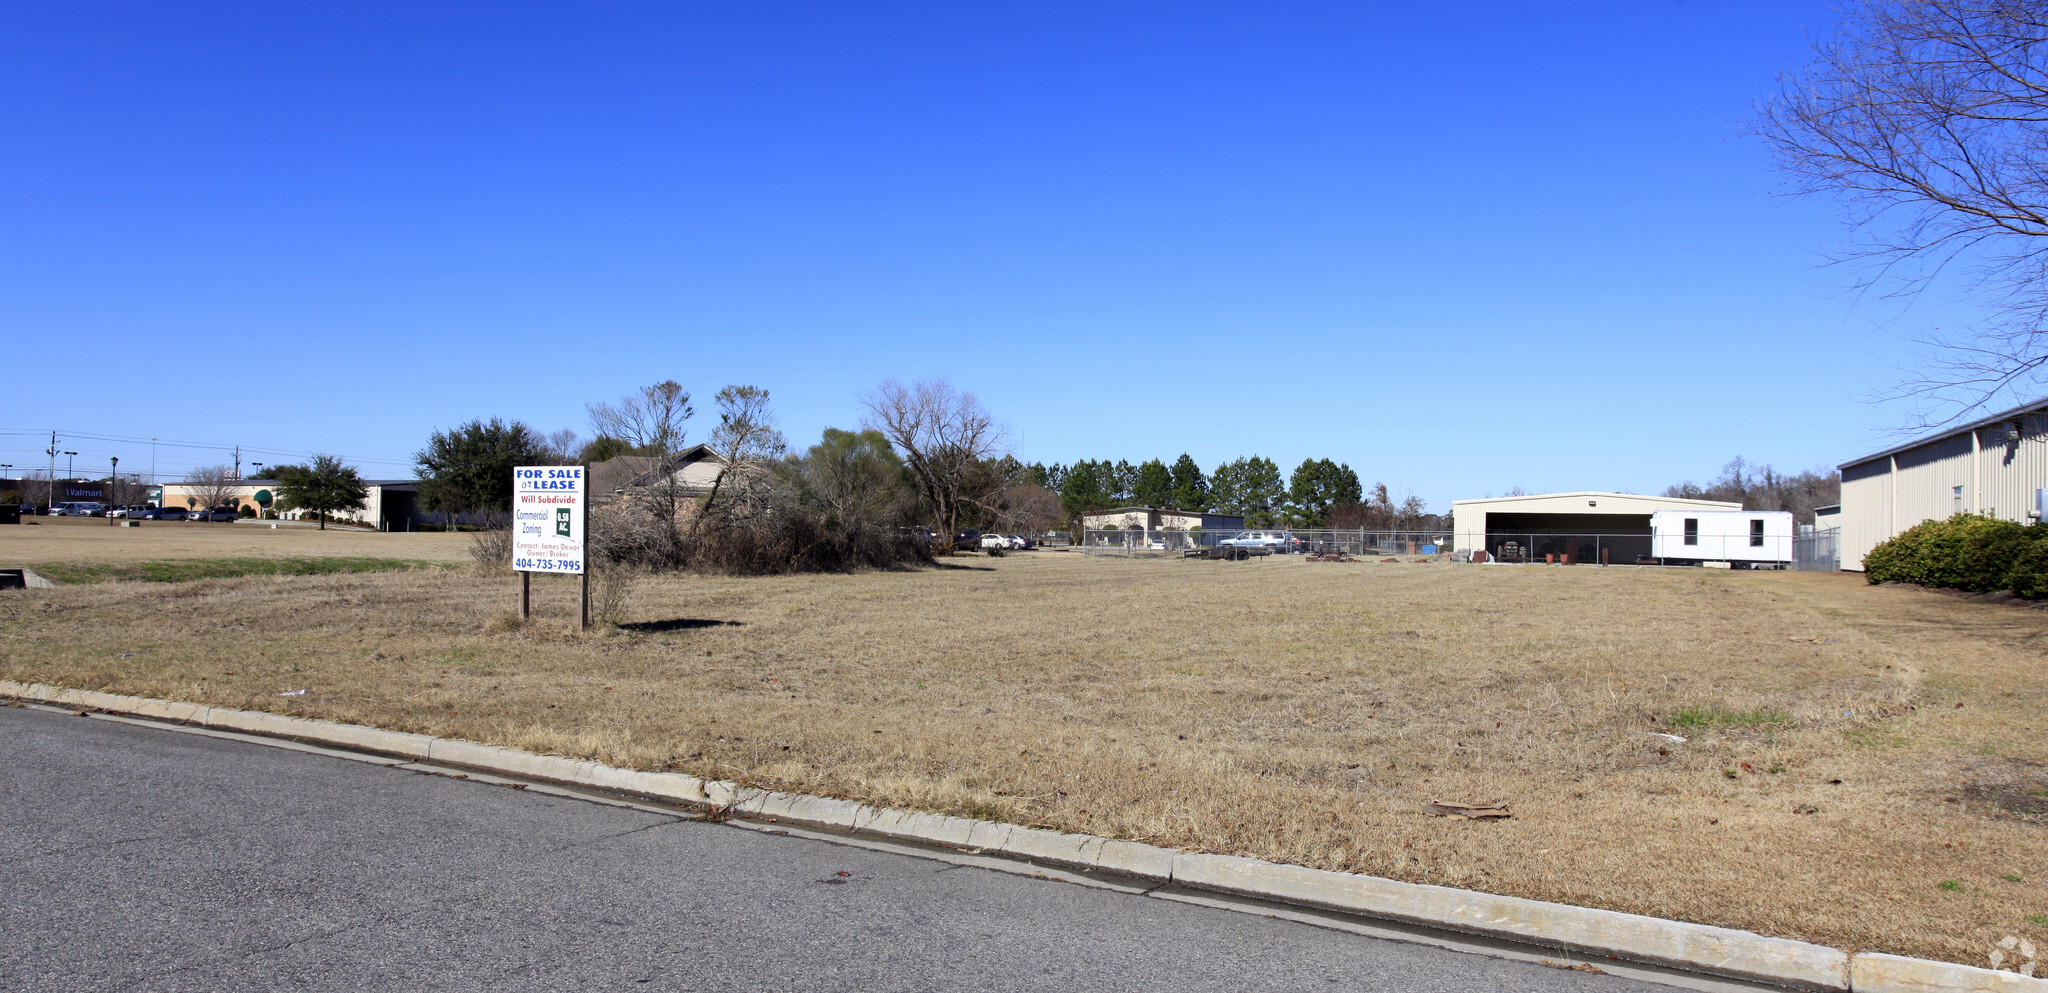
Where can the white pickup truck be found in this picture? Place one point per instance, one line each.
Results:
(1269, 540)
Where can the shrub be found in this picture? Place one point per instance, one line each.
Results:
(1966, 552)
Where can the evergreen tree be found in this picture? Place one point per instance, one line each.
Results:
(1154, 487)
(1318, 486)
(1083, 489)
(1262, 493)
(1190, 487)
(1226, 488)
(324, 486)
(1123, 481)
(469, 468)
(1346, 490)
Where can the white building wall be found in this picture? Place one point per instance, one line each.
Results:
(1997, 477)
(1723, 536)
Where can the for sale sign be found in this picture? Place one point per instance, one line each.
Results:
(547, 519)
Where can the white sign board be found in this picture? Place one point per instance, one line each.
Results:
(547, 519)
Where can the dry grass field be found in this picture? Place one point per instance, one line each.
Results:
(1863, 766)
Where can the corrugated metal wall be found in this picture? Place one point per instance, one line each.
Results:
(1878, 502)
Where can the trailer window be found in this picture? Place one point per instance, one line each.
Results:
(1756, 534)
(1692, 530)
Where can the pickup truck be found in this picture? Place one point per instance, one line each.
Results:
(1257, 542)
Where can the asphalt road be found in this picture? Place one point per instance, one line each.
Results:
(136, 858)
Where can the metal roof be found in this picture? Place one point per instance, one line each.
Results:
(1598, 494)
(1978, 425)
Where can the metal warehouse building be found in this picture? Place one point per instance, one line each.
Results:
(1565, 527)
(1996, 466)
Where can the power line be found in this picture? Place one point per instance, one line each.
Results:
(225, 448)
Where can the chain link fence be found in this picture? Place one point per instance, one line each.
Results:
(1737, 551)
(1315, 543)
(1817, 550)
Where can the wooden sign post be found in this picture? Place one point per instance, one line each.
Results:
(550, 517)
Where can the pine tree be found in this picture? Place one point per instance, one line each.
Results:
(1226, 488)
(1261, 493)
(1190, 487)
(1123, 482)
(1083, 490)
(1155, 485)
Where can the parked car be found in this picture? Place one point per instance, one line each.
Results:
(1019, 541)
(163, 514)
(78, 508)
(135, 511)
(996, 541)
(216, 515)
(1269, 540)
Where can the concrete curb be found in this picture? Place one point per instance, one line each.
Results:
(1696, 948)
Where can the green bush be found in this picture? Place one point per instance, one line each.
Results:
(1966, 552)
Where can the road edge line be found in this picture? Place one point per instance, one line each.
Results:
(1696, 948)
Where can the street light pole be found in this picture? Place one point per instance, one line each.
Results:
(113, 480)
(68, 476)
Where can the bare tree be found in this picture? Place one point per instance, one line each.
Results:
(1031, 509)
(211, 486)
(126, 491)
(651, 423)
(1927, 120)
(748, 448)
(560, 447)
(944, 435)
(1763, 487)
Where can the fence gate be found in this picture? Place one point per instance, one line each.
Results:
(1817, 551)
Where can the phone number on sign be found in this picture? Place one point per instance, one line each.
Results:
(548, 565)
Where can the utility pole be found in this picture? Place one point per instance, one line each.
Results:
(52, 501)
(238, 461)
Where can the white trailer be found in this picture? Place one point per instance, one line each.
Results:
(1753, 539)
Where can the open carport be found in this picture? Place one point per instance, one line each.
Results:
(1584, 527)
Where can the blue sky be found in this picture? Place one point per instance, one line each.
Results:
(1461, 250)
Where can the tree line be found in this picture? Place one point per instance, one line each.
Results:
(1318, 493)
(1765, 488)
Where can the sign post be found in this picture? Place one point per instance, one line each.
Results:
(550, 516)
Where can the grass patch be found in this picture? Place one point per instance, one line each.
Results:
(1290, 712)
(187, 570)
(1950, 886)
(1711, 717)
(2038, 919)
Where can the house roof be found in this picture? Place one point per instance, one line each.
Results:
(616, 474)
(1976, 425)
